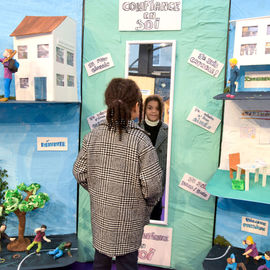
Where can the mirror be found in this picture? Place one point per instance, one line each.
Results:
(151, 65)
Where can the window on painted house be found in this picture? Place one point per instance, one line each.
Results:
(268, 29)
(59, 55)
(248, 49)
(24, 83)
(70, 81)
(60, 80)
(249, 31)
(70, 58)
(43, 51)
(22, 52)
(267, 48)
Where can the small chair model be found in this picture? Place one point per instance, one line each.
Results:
(234, 160)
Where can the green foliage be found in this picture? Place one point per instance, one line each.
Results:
(3, 187)
(221, 241)
(14, 199)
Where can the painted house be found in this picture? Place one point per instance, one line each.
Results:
(46, 49)
(252, 50)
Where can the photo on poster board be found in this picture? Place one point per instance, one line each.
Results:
(48, 56)
(249, 43)
(151, 64)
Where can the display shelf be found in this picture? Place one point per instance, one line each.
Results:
(38, 102)
(245, 96)
(220, 185)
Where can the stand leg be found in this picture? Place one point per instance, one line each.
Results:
(264, 177)
(238, 174)
(247, 180)
(256, 179)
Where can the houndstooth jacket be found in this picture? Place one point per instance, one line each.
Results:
(123, 179)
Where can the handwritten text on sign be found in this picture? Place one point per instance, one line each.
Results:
(150, 15)
(195, 186)
(205, 63)
(253, 225)
(52, 144)
(156, 246)
(97, 65)
(203, 119)
(96, 119)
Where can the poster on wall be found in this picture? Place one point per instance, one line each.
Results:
(95, 120)
(156, 246)
(150, 15)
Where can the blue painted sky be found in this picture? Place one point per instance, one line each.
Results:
(13, 12)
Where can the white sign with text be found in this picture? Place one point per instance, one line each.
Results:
(52, 144)
(205, 63)
(150, 15)
(96, 119)
(99, 64)
(194, 185)
(203, 119)
(156, 246)
(254, 225)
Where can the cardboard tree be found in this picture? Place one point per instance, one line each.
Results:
(14, 202)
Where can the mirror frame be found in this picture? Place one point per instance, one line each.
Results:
(173, 42)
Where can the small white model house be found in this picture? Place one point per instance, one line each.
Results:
(252, 50)
(46, 52)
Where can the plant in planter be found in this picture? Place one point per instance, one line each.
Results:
(16, 203)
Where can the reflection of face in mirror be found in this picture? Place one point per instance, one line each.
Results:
(150, 66)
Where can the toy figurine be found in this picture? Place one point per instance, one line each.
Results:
(266, 257)
(234, 76)
(8, 54)
(40, 234)
(59, 251)
(233, 265)
(3, 235)
(251, 250)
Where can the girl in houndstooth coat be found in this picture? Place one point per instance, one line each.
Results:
(119, 167)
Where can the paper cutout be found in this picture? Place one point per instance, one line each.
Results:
(253, 225)
(154, 15)
(99, 64)
(96, 119)
(203, 119)
(194, 185)
(52, 143)
(205, 63)
(156, 246)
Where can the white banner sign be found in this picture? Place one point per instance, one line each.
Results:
(52, 143)
(203, 119)
(205, 63)
(253, 225)
(195, 186)
(156, 246)
(100, 64)
(96, 119)
(150, 15)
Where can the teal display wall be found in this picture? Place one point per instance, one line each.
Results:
(194, 150)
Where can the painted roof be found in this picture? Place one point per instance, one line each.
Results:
(32, 25)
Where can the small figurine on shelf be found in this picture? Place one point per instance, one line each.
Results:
(233, 265)
(3, 235)
(59, 251)
(251, 249)
(40, 234)
(10, 66)
(234, 76)
(266, 257)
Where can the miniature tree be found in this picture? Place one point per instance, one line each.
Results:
(3, 187)
(14, 202)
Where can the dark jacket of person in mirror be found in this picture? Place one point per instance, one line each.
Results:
(158, 133)
(119, 167)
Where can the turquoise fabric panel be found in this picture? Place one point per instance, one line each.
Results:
(194, 150)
